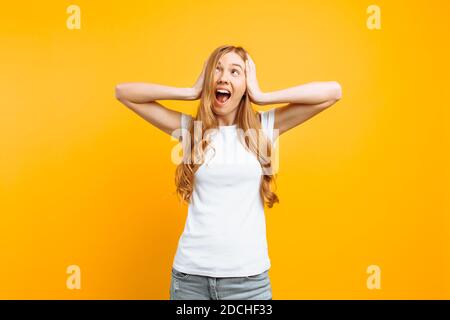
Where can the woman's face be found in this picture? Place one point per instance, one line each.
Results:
(229, 75)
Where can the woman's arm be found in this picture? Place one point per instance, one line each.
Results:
(308, 93)
(139, 92)
(304, 101)
(141, 98)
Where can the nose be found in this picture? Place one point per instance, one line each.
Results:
(223, 82)
(223, 78)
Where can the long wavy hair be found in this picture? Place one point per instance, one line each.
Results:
(247, 118)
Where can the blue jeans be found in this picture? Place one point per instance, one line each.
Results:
(184, 286)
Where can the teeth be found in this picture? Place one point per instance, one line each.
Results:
(223, 91)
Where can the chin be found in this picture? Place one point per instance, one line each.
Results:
(223, 110)
(220, 111)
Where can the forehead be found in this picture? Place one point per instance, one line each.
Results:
(230, 58)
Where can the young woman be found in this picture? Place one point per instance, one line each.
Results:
(226, 174)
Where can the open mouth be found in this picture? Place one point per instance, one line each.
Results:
(222, 96)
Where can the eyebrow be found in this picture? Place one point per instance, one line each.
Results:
(234, 64)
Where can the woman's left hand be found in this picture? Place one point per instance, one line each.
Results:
(252, 83)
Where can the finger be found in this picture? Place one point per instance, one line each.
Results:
(252, 63)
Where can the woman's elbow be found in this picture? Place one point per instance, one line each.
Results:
(337, 90)
(119, 91)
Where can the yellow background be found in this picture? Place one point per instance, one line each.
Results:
(84, 181)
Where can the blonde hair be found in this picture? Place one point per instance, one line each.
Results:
(246, 119)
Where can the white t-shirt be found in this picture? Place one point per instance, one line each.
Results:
(225, 229)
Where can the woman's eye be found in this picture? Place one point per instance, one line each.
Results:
(234, 71)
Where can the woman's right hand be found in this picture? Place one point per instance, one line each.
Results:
(198, 86)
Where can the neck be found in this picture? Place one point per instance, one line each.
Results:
(227, 120)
